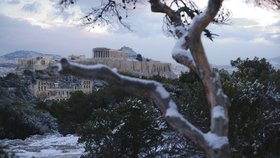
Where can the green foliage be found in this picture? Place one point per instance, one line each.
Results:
(250, 70)
(253, 128)
(4, 154)
(78, 108)
(139, 128)
(253, 90)
(189, 77)
(189, 94)
(139, 57)
(1, 151)
(18, 120)
(111, 126)
(128, 129)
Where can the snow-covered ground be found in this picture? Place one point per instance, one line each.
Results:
(45, 146)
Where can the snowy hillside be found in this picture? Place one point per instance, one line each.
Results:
(13, 56)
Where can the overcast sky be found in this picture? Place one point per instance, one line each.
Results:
(40, 25)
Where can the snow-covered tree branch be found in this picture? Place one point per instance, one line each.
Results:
(190, 48)
(142, 88)
(188, 51)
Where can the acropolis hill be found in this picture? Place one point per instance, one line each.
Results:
(126, 62)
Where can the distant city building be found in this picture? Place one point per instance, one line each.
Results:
(60, 89)
(56, 89)
(33, 64)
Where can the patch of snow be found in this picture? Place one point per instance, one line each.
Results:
(178, 48)
(115, 70)
(215, 141)
(198, 18)
(172, 111)
(219, 92)
(118, 128)
(218, 112)
(89, 67)
(163, 93)
(45, 146)
(138, 80)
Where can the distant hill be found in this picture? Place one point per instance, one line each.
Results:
(275, 62)
(8, 61)
(131, 53)
(276, 59)
(21, 54)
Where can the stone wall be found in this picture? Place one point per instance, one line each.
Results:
(138, 68)
(121, 61)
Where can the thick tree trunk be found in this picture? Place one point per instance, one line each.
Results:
(189, 51)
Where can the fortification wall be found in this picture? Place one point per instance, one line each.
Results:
(138, 68)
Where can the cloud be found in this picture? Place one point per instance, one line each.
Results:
(52, 31)
(12, 1)
(263, 17)
(48, 14)
(226, 40)
(31, 7)
(260, 40)
(275, 36)
(71, 40)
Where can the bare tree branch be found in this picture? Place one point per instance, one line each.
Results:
(142, 88)
(210, 141)
(110, 11)
(196, 60)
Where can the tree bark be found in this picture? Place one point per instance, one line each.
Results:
(190, 43)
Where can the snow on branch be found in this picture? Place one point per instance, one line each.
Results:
(181, 52)
(218, 112)
(139, 87)
(189, 49)
(215, 141)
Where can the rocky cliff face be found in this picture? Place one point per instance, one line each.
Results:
(19, 117)
(15, 88)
